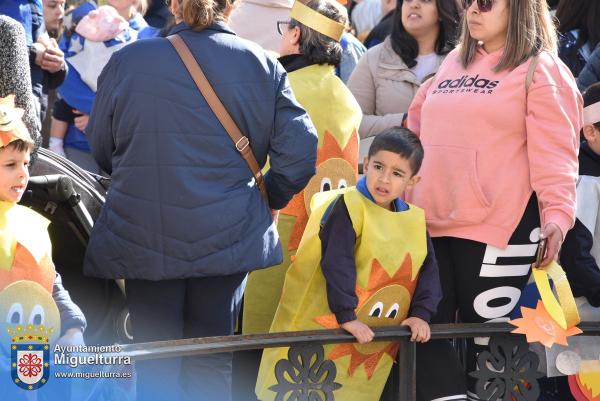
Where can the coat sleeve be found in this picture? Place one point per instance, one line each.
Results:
(553, 121)
(362, 86)
(414, 111)
(591, 72)
(338, 264)
(428, 292)
(293, 148)
(580, 266)
(99, 130)
(71, 315)
(54, 80)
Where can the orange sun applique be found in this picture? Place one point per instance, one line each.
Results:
(538, 326)
(336, 168)
(384, 302)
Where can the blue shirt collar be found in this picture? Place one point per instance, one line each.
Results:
(361, 186)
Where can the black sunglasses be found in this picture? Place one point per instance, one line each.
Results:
(279, 24)
(483, 5)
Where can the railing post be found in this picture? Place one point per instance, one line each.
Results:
(407, 380)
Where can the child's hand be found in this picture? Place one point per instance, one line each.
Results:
(53, 59)
(359, 330)
(81, 121)
(73, 336)
(419, 328)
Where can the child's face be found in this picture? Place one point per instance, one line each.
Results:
(122, 4)
(388, 175)
(592, 136)
(13, 174)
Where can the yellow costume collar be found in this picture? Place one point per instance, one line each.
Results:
(318, 22)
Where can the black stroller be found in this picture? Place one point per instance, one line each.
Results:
(71, 198)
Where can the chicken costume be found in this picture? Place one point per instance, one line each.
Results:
(390, 249)
(336, 115)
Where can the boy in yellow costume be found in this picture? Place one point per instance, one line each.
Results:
(365, 260)
(31, 292)
(310, 50)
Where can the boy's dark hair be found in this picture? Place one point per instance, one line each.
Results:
(590, 96)
(401, 141)
(19, 145)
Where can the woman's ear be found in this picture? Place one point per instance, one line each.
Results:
(231, 5)
(295, 34)
(174, 7)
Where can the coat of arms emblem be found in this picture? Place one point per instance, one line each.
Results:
(30, 356)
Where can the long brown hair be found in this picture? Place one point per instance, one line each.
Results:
(530, 31)
(405, 46)
(582, 15)
(199, 14)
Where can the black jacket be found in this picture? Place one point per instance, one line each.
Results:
(579, 264)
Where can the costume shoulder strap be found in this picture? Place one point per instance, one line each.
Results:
(328, 211)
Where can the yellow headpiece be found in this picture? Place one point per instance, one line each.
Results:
(318, 22)
(11, 124)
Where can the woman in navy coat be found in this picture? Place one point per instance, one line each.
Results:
(184, 222)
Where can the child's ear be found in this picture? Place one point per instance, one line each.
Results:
(414, 180)
(365, 164)
(590, 133)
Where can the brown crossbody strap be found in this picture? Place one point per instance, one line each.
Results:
(242, 144)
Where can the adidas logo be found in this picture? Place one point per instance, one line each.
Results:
(466, 83)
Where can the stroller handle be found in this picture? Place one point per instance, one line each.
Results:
(59, 187)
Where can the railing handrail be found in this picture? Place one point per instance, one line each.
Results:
(209, 345)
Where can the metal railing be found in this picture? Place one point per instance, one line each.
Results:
(406, 388)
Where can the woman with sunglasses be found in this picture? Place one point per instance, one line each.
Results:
(501, 157)
(310, 51)
(387, 78)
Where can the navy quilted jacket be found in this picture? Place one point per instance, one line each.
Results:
(591, 72)
(182, 202)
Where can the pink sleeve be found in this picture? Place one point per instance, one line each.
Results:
(413, 120)
(553, 121)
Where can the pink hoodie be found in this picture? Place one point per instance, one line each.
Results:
(489, 145)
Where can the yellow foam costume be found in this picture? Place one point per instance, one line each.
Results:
(390, 249)
(337, 116)
(26, 269)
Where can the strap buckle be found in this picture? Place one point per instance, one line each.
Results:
(242, 144)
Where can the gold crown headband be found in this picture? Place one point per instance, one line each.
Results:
(591, 114)
(318, 22)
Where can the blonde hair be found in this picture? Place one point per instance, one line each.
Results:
(141, 6)
(530, 31)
